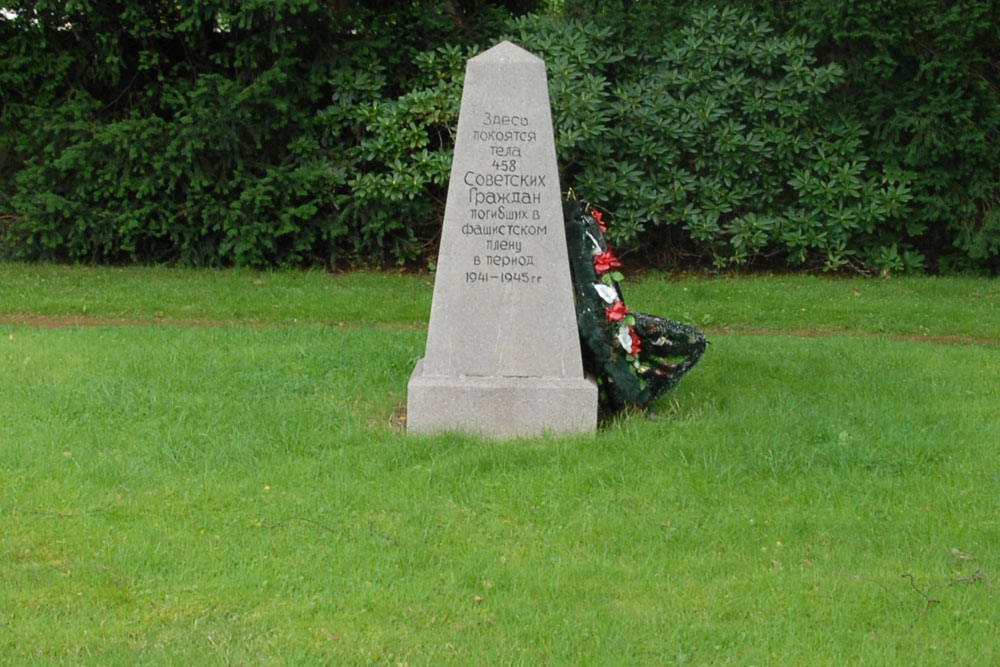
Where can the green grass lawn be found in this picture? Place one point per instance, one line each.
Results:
(204, 467)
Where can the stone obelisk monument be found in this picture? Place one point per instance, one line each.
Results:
(503, 352)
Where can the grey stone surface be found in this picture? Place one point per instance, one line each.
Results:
(503, 353)
(500, 407)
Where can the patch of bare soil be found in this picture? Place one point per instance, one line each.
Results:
(86, 321)
(953, 339)
(83, 321)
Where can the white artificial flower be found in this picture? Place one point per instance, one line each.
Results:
(606, 292)
(625, 338)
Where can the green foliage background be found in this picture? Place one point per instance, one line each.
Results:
(835, 135)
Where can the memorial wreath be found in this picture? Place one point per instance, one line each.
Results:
(635, 357)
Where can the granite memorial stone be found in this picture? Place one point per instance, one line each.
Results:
(503, 353)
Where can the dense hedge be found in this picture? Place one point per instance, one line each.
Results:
(822, 134)
(724, 135)
(205, 132)
(718, 147)
(179, 132)
(923, 79)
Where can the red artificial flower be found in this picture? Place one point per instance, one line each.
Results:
(605, 261)
(597, 215)
(616, 313)
(636, 343)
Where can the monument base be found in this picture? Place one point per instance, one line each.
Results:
(500, 407)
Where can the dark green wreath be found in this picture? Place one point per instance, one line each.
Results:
(635, 357)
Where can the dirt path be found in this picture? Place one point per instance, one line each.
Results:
(948, 339)
(86, 321)
(83, 321)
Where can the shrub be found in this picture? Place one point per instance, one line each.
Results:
(176, 133)
(725, 146)
(294, 132)
(923, 79)
(214, 131)
(726, 133)
(394, 199)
